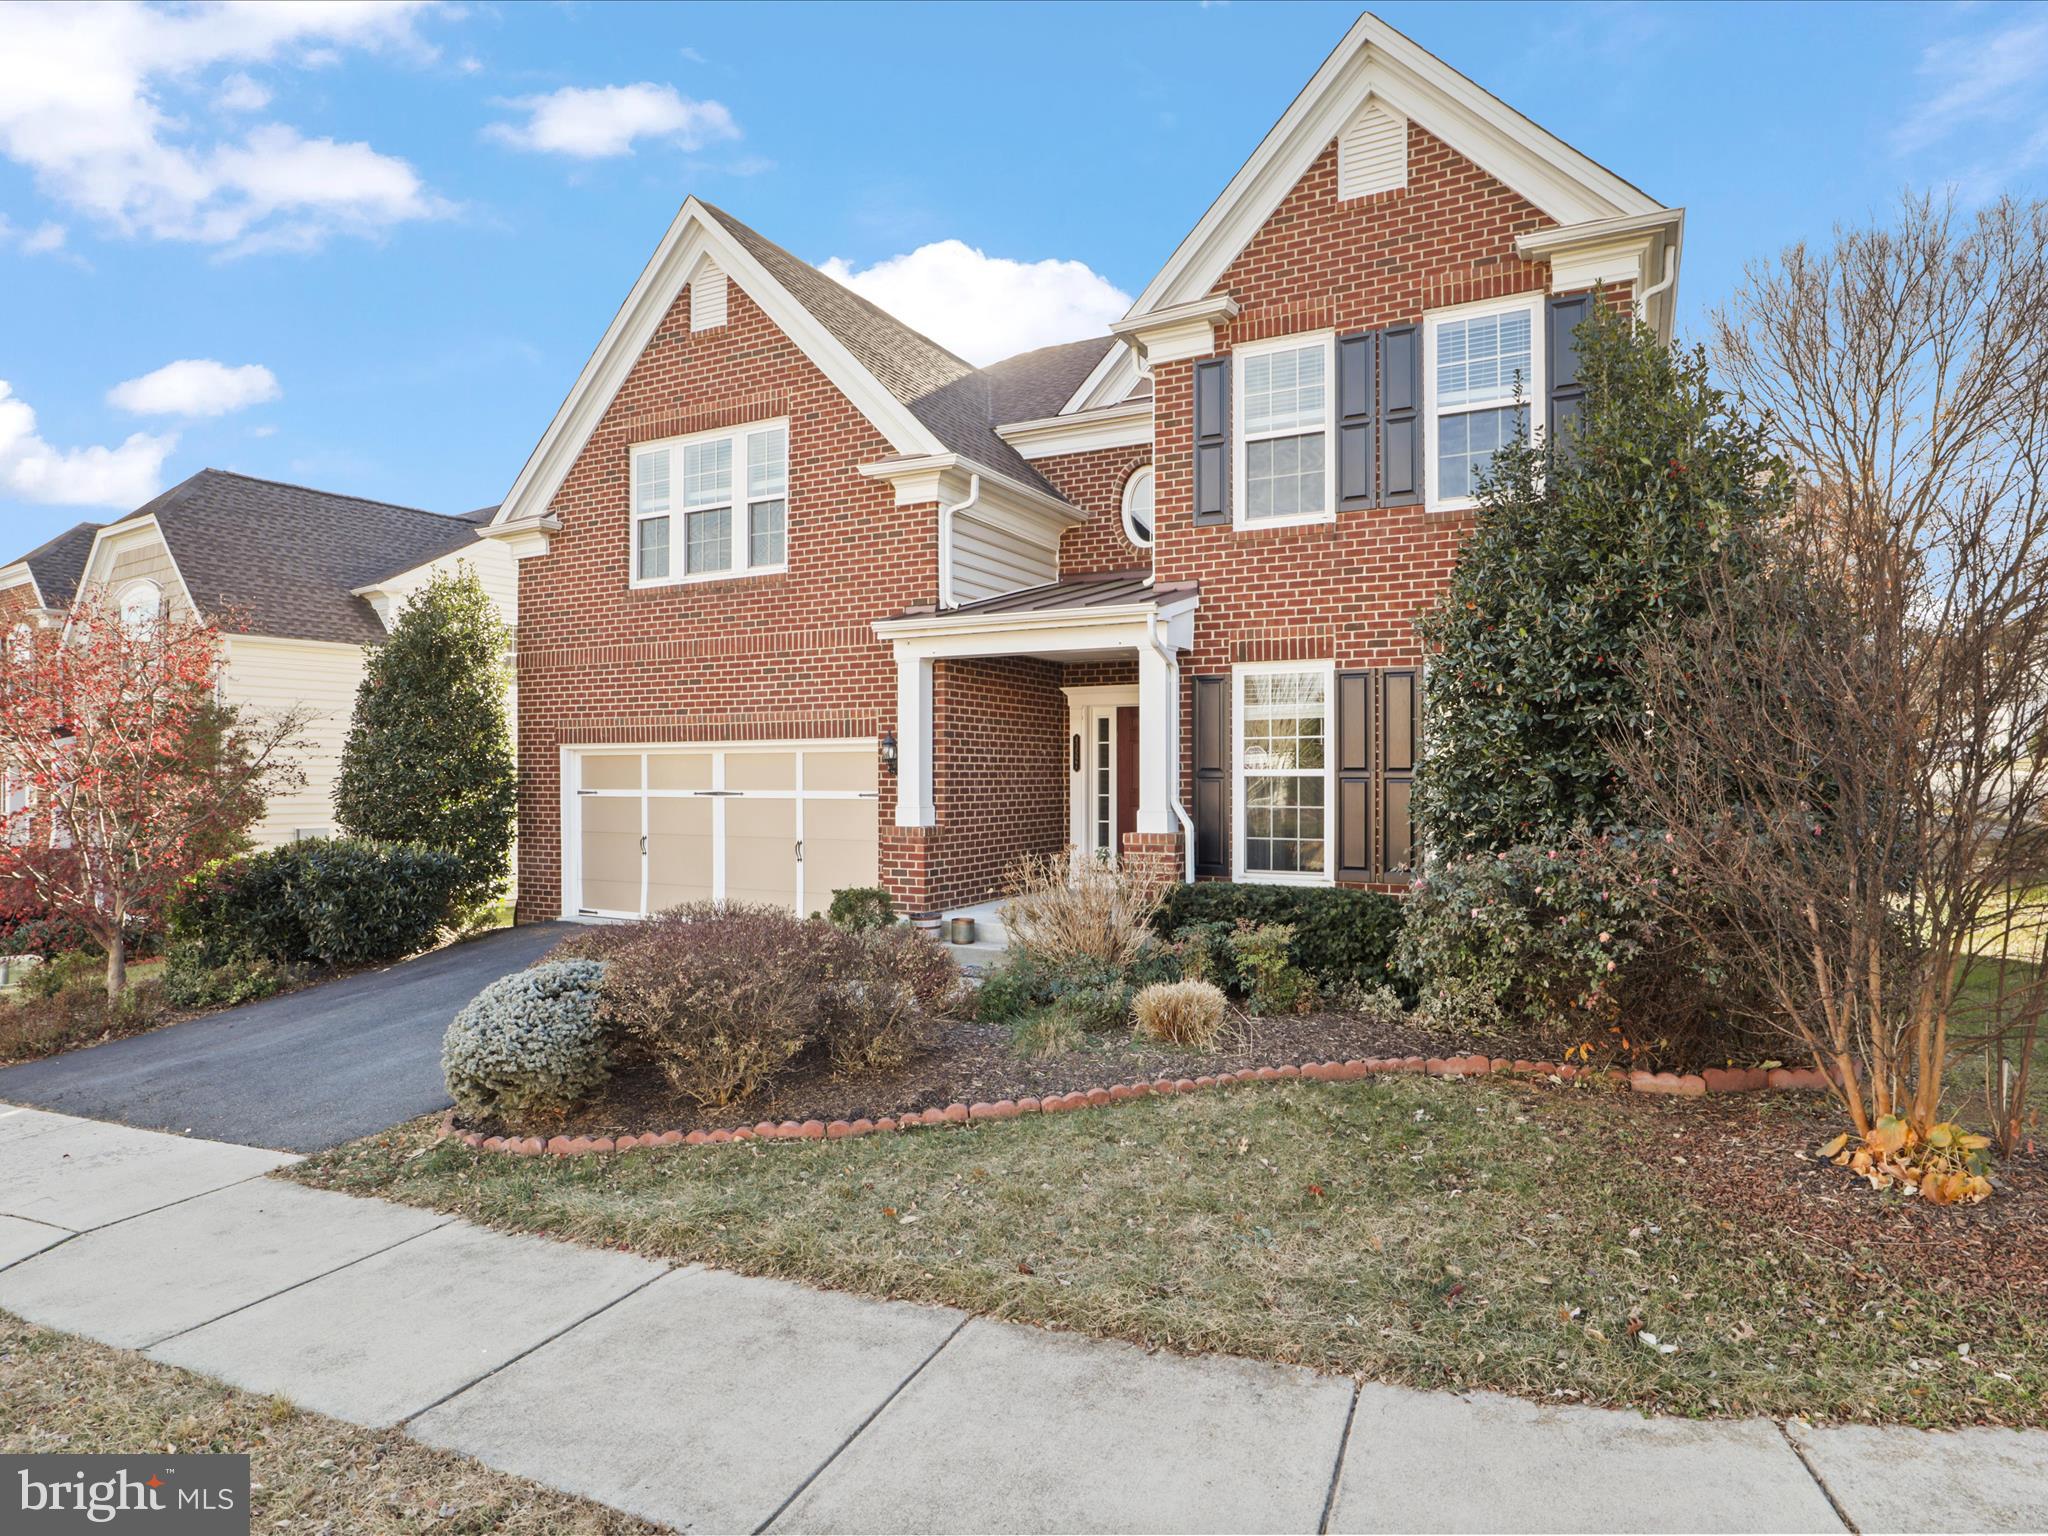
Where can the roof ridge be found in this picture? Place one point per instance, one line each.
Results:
(314, 490)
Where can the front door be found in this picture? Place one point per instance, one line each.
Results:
(1110, 774)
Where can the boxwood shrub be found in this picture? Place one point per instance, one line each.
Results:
(1339, 935)
(334, 901)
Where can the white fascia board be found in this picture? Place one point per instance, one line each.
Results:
(692, 234)
(1124, 624)
(1174, 332)
(948, 478)
(526, 536)
(1110, 381)
(1372, 61)
(1127, 424)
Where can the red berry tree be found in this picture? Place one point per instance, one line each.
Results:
(135, 773)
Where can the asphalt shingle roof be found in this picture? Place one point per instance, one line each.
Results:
(1034, 385)
(58, 564)
(285, 559)
(1077, 593)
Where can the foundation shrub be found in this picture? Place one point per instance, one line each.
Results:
(529, 1047)
(1262, 955)
(860, 908)
(1339, 935)
(897, 984)
(1181, 1013)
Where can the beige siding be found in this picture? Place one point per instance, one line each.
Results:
(989, 561)
(494, 566)
(116, 565)
(269, 676)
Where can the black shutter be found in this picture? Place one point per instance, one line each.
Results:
(1354, 776)
(1356, 426)
(1212, 440)
(1212, 776)
(1565, 317)
(1401, 416)
(1400, 706)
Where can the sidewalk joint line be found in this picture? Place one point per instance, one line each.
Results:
(1337, 1471)
(860, 1428)
(417, 1414)
(1819, 1482)
(120, 1221)
(286, 1290)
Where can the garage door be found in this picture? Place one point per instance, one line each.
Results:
(786, 826)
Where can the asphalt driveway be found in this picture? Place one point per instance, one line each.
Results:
(299, 1073)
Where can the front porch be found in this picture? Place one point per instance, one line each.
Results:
(1043, 719)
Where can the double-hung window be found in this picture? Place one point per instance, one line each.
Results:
(1286, 472)
(710, 506)
(1283, 773)
(1482, 374)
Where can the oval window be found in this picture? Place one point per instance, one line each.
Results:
(1138, 507)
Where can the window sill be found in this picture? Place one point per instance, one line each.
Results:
(707, 578)
(1254, 524)
(1278, 877)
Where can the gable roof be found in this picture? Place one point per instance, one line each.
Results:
(57, 564)
(1036, 384)
(1375, 62)
(286, 558)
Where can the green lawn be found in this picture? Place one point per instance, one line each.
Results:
(1436, 1233)
(1965, 1084)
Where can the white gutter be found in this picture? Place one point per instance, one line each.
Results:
(946, 539)
(1180, 811)
(1661, 285)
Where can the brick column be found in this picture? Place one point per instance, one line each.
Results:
(906, 869)
(1155, 852)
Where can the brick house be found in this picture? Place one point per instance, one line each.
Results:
(808, 602)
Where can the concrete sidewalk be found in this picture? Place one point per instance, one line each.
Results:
(710, 1401)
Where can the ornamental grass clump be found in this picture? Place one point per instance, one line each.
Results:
(1065, 909)
(530, 1047)
(1181, 1013)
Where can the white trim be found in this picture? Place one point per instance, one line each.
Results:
(1123, 424)
(1534, 393)
(573, 796)
(1083, 704)
(130, 589)
(1178, 331)
(1151, 516)
(1240, 510)
(119, 538)
(525, 536)
(1376, 62)
(932, 477)
(1328, 672)
(1000, 633)
(693, 232)
(1642, 250)
(738, 507)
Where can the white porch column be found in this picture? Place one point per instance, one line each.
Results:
(913, 738)
(1158, 740)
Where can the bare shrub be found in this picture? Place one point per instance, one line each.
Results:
(1068, 909)
(897, 984)
(1181, 1013)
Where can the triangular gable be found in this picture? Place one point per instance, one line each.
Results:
(694, 234)
(1373, 63)
(116, 539)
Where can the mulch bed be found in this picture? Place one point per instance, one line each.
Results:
(1742, 1158)
(973, 1061)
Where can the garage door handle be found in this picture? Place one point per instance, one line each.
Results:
(799, 850)
(643, 845)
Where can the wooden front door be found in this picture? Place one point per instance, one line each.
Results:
(1126, 773)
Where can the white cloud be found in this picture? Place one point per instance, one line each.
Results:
(195, 386)
(33, 470)
(602, 121)
(89, 99)
(987, 307)
(1978, 81)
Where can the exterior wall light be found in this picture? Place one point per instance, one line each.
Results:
(889, 752)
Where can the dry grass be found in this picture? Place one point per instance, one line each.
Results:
(1440, 1234)
(1181, 1012)
(1066, 908)
(59, 1393)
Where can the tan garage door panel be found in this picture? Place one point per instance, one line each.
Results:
(760, 851)
(679, 851)
(760, 770)
(853, 771)
(679, 770)
(841, 840)
(602, 772)
(611, 853)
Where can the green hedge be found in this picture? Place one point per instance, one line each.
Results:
(334, 901)
(1339, 935)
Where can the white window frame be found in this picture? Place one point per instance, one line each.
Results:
(1534, 392)
(740, 507)
(1239, 503)
(128, 595)
(1130, 484)
(1327, 670)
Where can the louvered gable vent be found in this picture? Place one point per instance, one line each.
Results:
(707, 297)
(1372, 153)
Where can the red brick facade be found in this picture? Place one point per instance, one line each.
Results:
(792, 656)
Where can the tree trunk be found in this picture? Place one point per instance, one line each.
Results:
(117, 964)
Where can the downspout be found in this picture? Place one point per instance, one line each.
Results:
(1180, 811)
(946, 539)
(1670, 276)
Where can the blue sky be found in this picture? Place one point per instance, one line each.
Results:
(381, 241)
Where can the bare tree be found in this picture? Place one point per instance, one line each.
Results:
(1848, 745)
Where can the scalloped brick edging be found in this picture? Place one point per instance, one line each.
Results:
(1715, 1080)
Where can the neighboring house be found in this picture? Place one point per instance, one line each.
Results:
(808, 602)
(301, 580)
